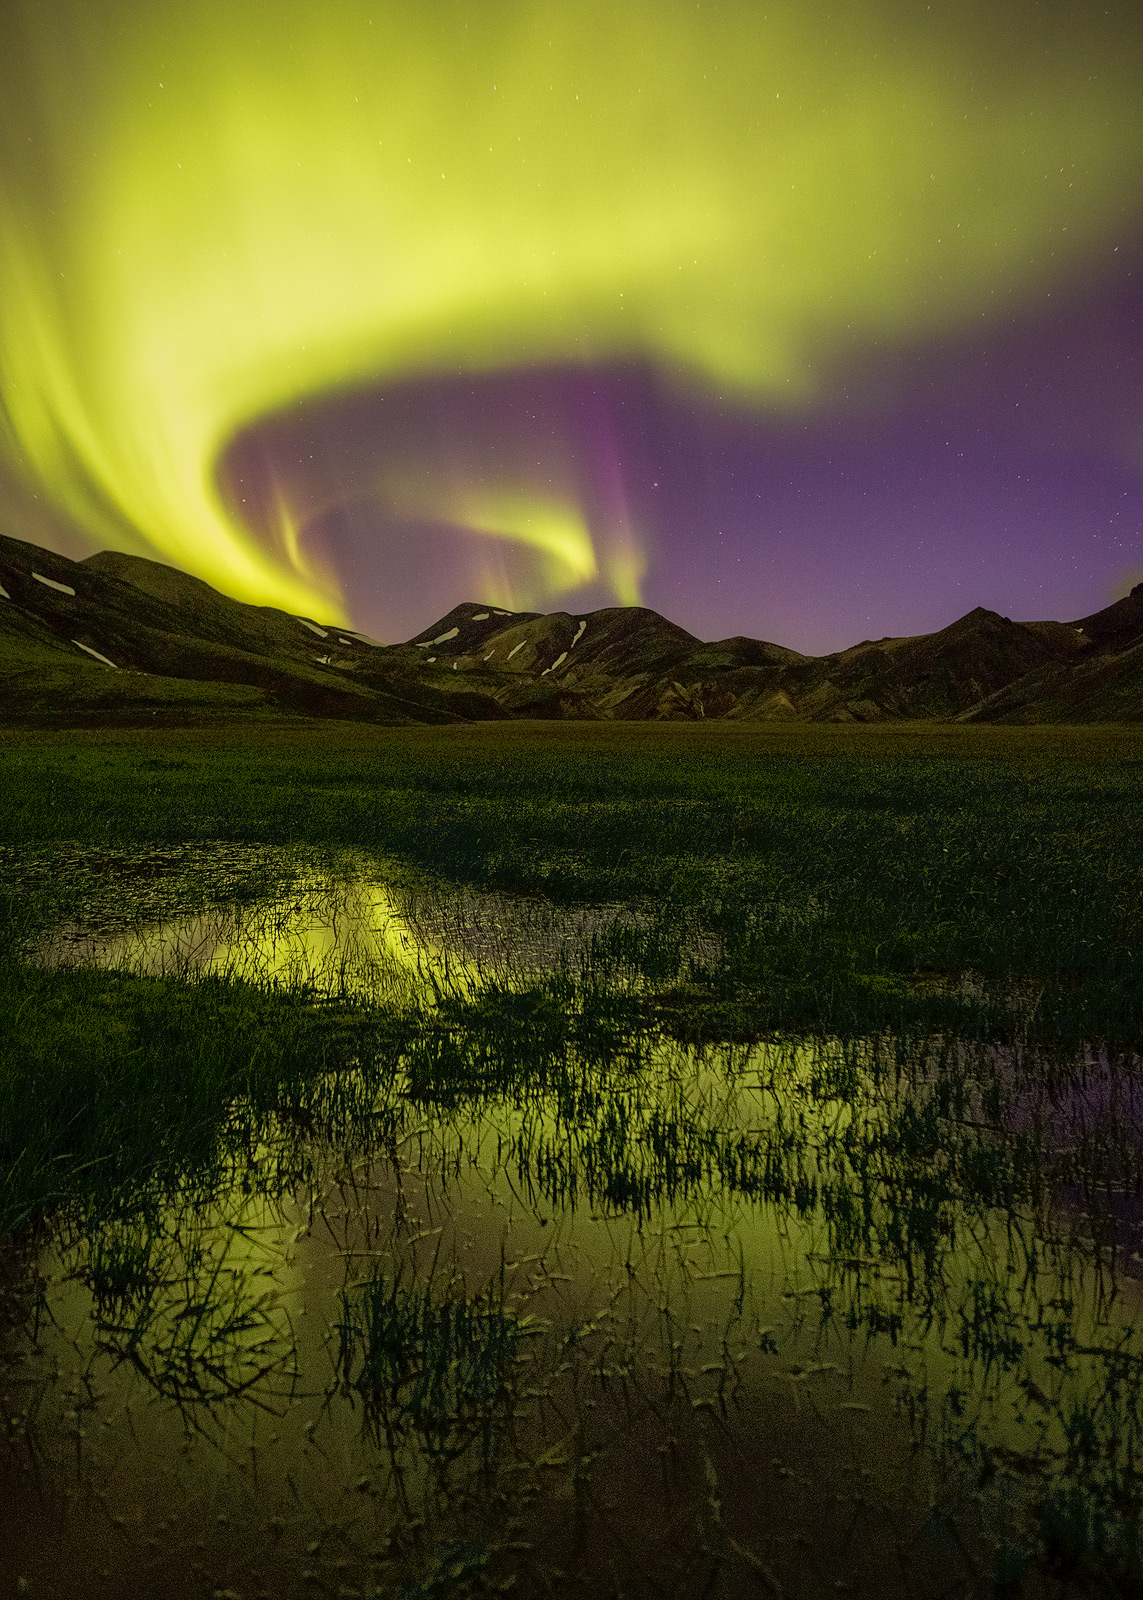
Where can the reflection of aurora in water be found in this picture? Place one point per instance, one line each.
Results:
(515, 1269)
(351, 928)
(795, 1262)
(332, 936)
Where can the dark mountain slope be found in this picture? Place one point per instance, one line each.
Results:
(1118, 626)
(631, 663)
(195, 608)
(116, 636)
(932, 675)
(90, 620)
(1101, 681)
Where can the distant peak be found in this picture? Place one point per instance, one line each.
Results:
(467, 615)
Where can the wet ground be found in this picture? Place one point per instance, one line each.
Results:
(346, 923)
(651, 1320)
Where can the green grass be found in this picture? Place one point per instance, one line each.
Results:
(851, 878)
(108, 1081)
(437, 1364)
(933, 932)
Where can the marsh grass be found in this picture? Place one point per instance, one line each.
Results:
(433, 1361)
(107, 1080)
(884, 995)
(869, 871)
(175, 1298)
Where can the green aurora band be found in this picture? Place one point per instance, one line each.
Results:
(212, 210)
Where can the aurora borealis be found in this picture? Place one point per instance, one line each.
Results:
(798, 320)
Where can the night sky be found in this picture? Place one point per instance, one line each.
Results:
(810, 329)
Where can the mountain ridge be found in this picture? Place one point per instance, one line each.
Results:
(117, 637)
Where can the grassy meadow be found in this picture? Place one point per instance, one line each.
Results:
(778, 1233)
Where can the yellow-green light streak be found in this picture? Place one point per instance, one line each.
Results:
(212, 210)
(555, 549)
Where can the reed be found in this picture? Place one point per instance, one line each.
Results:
(877, 1000)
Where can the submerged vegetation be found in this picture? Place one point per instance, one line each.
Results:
(716, 1166)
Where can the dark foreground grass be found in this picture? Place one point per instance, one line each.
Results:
(967, 877)
(109, 1083)
(976, 882)
(947, 919)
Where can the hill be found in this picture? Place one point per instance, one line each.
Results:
(116, 638)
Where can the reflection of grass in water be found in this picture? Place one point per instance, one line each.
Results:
(176, 1298)
(922, 1174)
(435, 1363)
(438, 1372)
(944, 936)
(111, 1083)
(124, 1266)
(333, 928)
(919, 1181)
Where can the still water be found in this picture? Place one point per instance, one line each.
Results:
(345, 924)
(595, 1314)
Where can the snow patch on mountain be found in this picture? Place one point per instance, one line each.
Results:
(88, 648)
